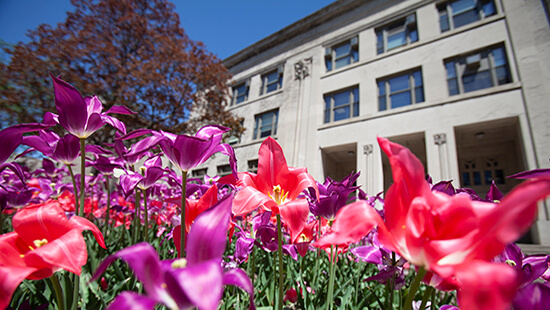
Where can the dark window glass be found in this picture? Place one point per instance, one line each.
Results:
(342, 105)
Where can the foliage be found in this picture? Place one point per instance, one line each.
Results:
(130, 53)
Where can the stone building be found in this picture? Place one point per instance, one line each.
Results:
(464, 84)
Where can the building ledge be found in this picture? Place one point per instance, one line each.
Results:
(424, 105)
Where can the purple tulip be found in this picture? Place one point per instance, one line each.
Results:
(64, 150)
(81, 116)
(197, 280)
(382, 257)
(332, 196)
(187, 152)
(10, 139)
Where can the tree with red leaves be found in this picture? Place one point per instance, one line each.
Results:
(127, 52)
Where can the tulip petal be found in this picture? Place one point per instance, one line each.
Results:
(143, 259)
(237, 277)
(132, 301)
(486, 285)
(294, 214)
(207, 238)
(71, 107)
(248, 199)
(10, 278)
(507, 221)
(202, 283)
(119, 109)
(352, 223)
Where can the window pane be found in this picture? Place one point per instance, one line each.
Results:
(381, 88)
(399, 83)
(453, 87)
(342, 62)
(461, 6)
(341, 99)
(465, 179)
(400, 100)
(380, 42)
(489, 8)
(503, 75)
(328, 63)
(419, 94)
(327, 116)
(477, 178)
(488, 176)
(272, 77)
(499, 57)
(451, 72)
(256, 125)
(342, 50)
(382, 103)
(397, 39)
(465, 18)
(413, 35)
(341, 113)
(499, 176)
(272, 87)
(417, 78)
(356, 109)
(444, 19)
(480, 80)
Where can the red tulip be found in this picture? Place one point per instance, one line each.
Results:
(43, 242)
(275, 188)
(444, 234)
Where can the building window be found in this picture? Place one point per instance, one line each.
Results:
(253, 165)
(272, 81)
(400, 91)
(479, 70)
(342, 54)
(198, 173)
(224, 170)
(454, 14)
(240, 93)
(342, 105)
(266, 124)
(396, 34)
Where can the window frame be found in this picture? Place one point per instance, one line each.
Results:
(235, 94)
(412, 89)
(224, 170)
(446, 13)
(332, 58)
(258, 124)
(406, 23)
(199, 173)
(467, 63)
(353, 104)
(252, 165)
(266, 83)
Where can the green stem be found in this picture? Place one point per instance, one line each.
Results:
(426, 296)
(146, 217)
(82, 174)
(252, 264)
(107, 213)
(183, 190)
(280, 251)
(76, 203)
(58, 292)
(391, 283)
(137, 216)
(414, 287)
(76, 288)
(331, 278)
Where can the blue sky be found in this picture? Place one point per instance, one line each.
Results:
(224, 26)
